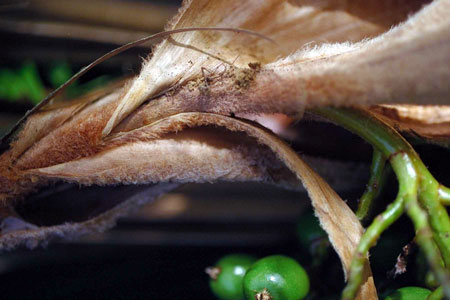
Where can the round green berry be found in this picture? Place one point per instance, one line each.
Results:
(276, 277)
(309, 230)
(227, 276)
(409, 293)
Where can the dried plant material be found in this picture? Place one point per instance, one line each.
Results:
(436, 114)
(277, 19)
(385, 12)
(402, 260)
(42, 123)
(189, 156)
(174, 122)
(387, 69)
(20, 233)
(428, 122)
(109, 167)
(406, 64)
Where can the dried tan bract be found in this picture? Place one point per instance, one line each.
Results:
(174, 122)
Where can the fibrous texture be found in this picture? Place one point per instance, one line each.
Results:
(184, 118)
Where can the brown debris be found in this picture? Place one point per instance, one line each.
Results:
(245, 76)
(213, 272)
(402, 260)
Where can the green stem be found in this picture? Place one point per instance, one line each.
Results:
(426, 242)
(409, 177)
(376, 181)
(380, 135)
(437, 294)
(374, 131)
(438, 216)
(444, 195)
(414, 179)
(368, 239)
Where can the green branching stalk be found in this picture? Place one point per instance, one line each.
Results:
(368, 239)
(444, 195)
(422, 195)
(377, 179)
(425, 241)
(438, 216)
(408, 178)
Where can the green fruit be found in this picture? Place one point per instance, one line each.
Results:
(276, 277)
(309, 230)
(227, 276)
(409, 293)
(312, 237)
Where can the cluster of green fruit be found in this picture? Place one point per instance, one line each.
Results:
(26, 82)
(275, 277)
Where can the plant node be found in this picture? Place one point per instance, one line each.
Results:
(263, 295)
